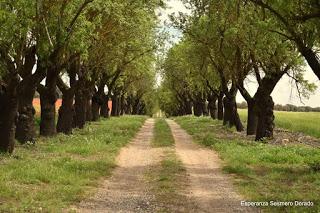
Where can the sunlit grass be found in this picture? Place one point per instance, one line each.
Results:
(62, 170)
(305, 122)
(263, 172)
(162, 134)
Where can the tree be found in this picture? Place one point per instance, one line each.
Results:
(298, 23)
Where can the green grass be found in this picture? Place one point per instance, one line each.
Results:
(305, 122)
(168, 178)
(162, 134)
(263, 172)
(62, 170)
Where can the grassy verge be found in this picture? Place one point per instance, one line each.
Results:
(59, 171)
(263, 172)
(305, 122)
(168, 179)
(162, 134)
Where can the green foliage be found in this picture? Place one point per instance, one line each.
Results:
(224, 42)
(62, 170)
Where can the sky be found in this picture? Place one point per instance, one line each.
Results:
(284, 93)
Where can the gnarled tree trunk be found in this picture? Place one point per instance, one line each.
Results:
(264, 108)
(227, 111)
(252, 121)
(212, 99)
(48, 111)
(80, 105)
(66, 113)
(8, 114)
(26, 130)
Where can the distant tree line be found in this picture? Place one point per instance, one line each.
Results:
(287, 107)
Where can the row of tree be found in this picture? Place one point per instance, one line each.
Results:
(226, 41)
(287, 107)
(91, 50)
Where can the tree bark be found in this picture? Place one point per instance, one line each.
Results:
(8, 114)
(234, 117)
(311, 58)
(48, 111)
(264, 104)
(220, 106)
(80, 104)
(115, 105)
(104, 111)
(198, 105)
(66, 113)
(252, 121)
(227, 111)
(231, 115)
(122, 105)
(265, 114)
(88, 97)
(96, 104)
(212, 106)
(26, 130)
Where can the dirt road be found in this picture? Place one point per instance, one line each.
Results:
(209, 187)
(127, 190)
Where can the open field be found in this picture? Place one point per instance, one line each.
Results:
(305, 122)
(62, 170)
(262, 172)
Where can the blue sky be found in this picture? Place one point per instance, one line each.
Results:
(284, 93)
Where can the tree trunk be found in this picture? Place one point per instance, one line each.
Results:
(26, 131)
(115, 106)
(231, 116)
(205, 108)
(48, 98)
(80, 105)
(122, 105)
(48, 112)
(212, 107)
(252, 119)
(227, 111)
(310, 56)
(235, 118)
(104, 111)
(188, 106)
(220, 106)
(8, 115)
(264, 106)
(66, 113)
(95, 111)
(96, 104)
(88, 105)
(198, 105)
